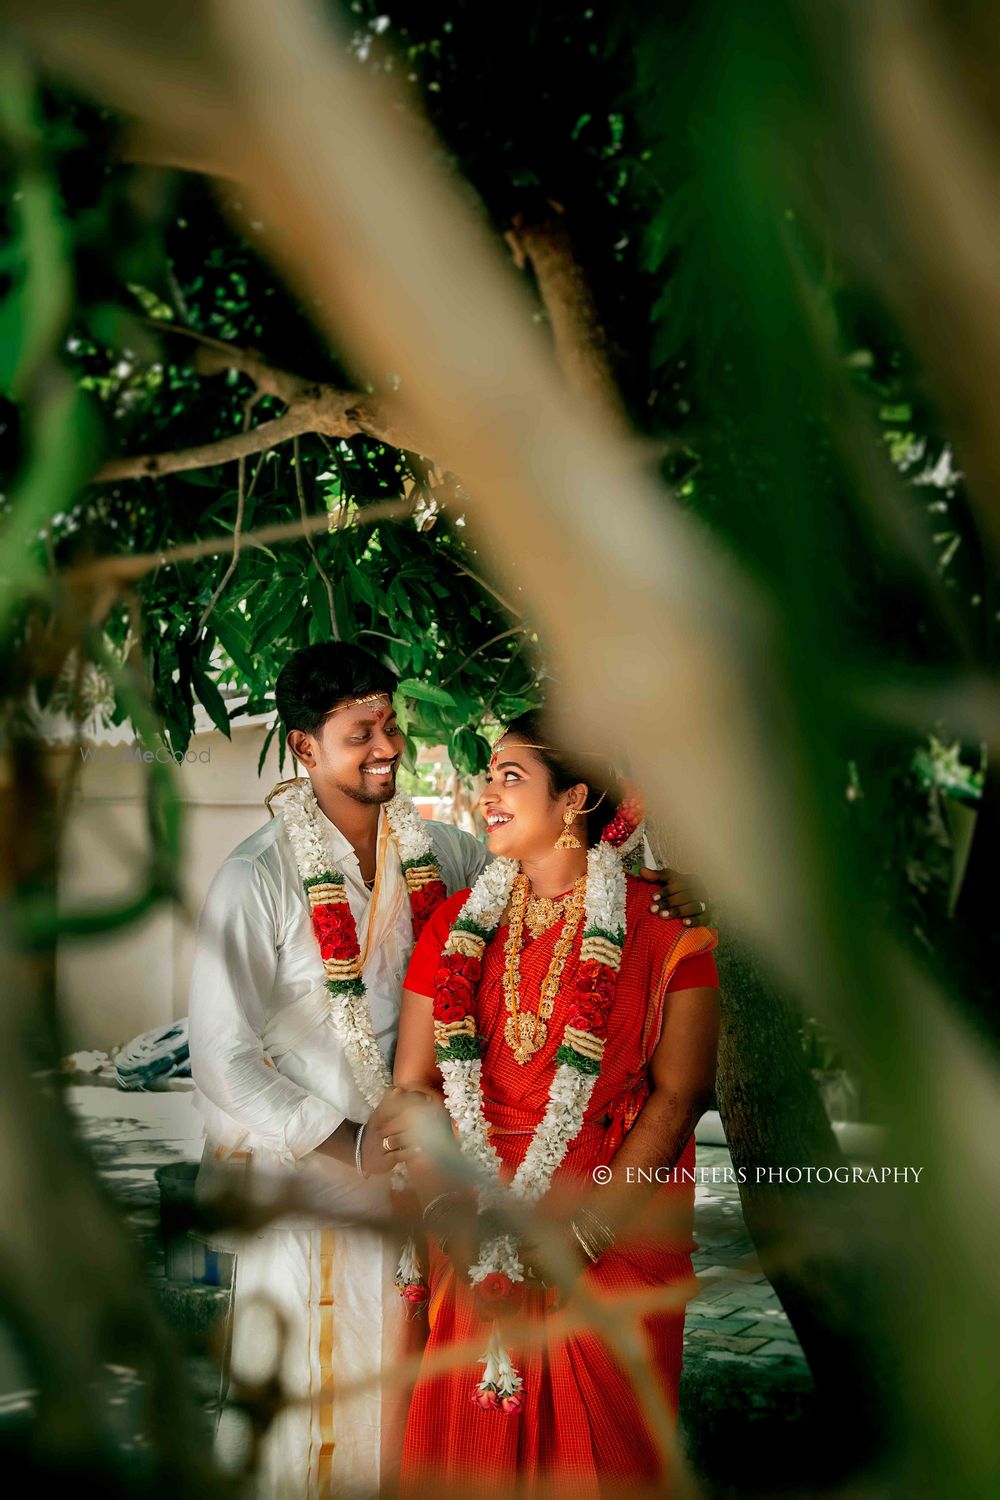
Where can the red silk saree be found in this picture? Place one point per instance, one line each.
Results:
(581, 1429)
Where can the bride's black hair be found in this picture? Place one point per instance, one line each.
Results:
(565, 770)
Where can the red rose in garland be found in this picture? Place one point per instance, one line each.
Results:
(589, 1017)
(332, 922)
(496, 1287)
(597, 980)
(335, 931)
(424, 903)
(457, 981)
(497, 1294)
(449, 1010)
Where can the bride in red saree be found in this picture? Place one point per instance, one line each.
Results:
(575, 1421)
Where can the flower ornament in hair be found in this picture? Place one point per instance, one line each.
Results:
(625, 830)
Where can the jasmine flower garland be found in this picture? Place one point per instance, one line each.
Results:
(337, 934)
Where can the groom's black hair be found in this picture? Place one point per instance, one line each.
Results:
(314, 678)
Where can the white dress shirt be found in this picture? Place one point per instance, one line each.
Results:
(271, 1075)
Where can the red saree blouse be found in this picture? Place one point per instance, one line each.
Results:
(581, 1427)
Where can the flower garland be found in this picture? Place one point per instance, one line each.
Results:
(337, 934)
(497, 1272)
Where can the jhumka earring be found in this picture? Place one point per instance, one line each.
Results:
(567, 840)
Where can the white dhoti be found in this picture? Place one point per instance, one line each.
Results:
(318, 1308)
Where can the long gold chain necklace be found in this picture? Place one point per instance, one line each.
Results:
(524, 1031)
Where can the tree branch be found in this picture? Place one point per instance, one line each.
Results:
(312, 407)
(204, 456)
(241, 500)
(128, 569)
(493, 641)
(312, 545)
(582, 347)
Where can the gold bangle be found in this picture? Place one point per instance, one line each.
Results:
(598, 1231)
(582, 1241)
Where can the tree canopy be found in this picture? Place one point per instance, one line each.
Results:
(211, 407)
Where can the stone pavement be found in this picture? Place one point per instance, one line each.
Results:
(747, 1408)
(736, 1315)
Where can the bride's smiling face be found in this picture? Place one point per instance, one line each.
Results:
(524, 816)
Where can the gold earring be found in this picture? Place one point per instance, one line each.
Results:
(567, 840)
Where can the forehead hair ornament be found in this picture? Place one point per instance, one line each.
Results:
(380, 698)
(525, 745)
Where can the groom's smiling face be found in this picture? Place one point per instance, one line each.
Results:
(355, 751)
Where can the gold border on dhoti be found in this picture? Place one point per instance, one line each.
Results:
(327, 1441)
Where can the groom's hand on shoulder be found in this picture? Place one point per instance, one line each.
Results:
(678, 895)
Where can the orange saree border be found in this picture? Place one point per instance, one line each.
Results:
(689, 941)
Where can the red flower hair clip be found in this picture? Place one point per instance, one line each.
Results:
(628, 818)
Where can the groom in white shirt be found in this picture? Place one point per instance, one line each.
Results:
(277, 1092)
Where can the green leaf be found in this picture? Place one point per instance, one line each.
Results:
(470, 752)
(11, 335)
(426, 693)
(281, 609)
(232, 638)
(320, 626)
(361, 583)
(251, 707)
(512, 708)
(266, 746)
(399, 596)
(211, 698)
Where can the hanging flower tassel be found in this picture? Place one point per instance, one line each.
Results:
(500, 1387)
(410, 1280)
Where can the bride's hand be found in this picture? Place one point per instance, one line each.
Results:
(391, 1134)
(554, 1263)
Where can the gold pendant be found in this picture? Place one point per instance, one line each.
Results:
(524, 1034)
(542, 912)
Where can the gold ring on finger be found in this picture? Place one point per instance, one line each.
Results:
(385, 1143)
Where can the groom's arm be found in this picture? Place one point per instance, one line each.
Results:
(463, 858)
(235, 962)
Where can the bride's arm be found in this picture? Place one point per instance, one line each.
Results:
(452, 1217)
(682, 1078)
(415, 1066)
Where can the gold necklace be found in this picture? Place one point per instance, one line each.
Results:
(543, 912)
(524, 1031)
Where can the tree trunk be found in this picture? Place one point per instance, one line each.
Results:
(823, 1268)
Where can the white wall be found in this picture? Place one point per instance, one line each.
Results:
(116, 986)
